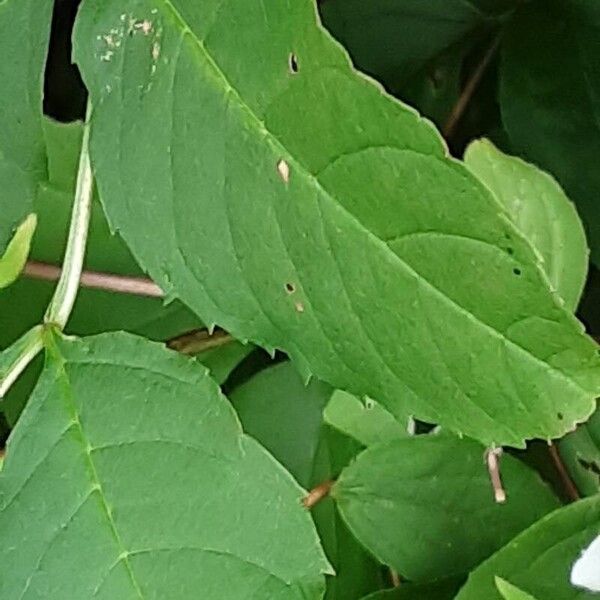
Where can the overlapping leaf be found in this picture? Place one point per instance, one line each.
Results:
(326, 223)
(539, 560)
(128, 476)
(542, 212)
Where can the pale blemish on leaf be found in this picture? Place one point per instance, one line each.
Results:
(284, 170)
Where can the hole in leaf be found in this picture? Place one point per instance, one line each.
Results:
(293, 63)
(516, 271)
(290, 288)
(284, 170)
(560, 416)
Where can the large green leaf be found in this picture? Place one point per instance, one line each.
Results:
(432, 497)
(539, 560)
(128, 476)
(540, 209)
(24, 32)
(330, 225)
(550, 96)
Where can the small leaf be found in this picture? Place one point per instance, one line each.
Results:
(129, 469)
(586, 571)
(17, 251)
(540, 558)
(357, 261)
(366, 421)
(424, 505)
(511, 592)
(540, 209)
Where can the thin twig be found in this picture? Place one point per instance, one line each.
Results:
(199, 340)
(492, 459)
(569, 487)
(469, 89)
(396, 581)
(317, 494)
(123, 284)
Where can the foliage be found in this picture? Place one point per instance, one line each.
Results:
(237, 185)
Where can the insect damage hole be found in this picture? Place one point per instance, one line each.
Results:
(517, 271)
(284, 170)
(290, 288)
(293, 63)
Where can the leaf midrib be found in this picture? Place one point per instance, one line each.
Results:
(260, 127)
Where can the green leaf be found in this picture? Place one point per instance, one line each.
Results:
(17, 251)
(284, 415)
(510, 592)
(550, 97)
(540, 209)
(332, 239)
(442, 590)
(394, 39)
(580, 452)
(540, 558)
(424, 505)
(24, 33)
(367, 422)
(18, 354)
(132, 477)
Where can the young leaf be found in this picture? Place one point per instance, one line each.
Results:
(354, 243)
(130, 470)
(424, 505)
(540, 209)
(540, 558)
(17, 251)
(365, 421)
(550, 97)
(24, 33)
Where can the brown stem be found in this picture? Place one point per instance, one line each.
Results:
(199, 340)
(569, 487)
(139, 286)
(492, 459)
(469, 89)
(317, 494)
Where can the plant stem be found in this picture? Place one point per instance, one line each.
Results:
(199, 340)
(569, 487)
(25, 350)
(318, 493)
(492, 459)
(469, 89)
(62, 302)
(123, 284)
